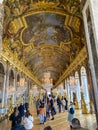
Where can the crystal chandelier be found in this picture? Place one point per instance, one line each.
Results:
(22, 82)
(47, 82)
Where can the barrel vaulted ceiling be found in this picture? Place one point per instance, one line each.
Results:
(46, 35)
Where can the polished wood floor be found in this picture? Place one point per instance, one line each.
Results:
(59, 123)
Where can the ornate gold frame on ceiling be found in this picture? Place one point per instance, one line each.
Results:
(37, 8)
(61, 12)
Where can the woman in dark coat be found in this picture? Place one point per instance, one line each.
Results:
(52, 108)
(21, 110)
(13, 116)
(18, 125)
(59, 103)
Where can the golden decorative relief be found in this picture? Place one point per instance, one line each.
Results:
(73, 66)
(42, 35)
(45, 3)
(13, 59)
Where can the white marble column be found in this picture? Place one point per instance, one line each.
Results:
(3, 96)
(71, 95)
(7, 85)
(90, 18)
(14, 96)
(68, 89)
(78, 92)
(1, 23)
(93, 4)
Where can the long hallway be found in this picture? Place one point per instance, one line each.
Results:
(49, 47)
(59, 123)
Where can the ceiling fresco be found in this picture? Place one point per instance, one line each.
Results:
(45, 35)
(45, 28)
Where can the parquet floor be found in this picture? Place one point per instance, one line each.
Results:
(59, 123)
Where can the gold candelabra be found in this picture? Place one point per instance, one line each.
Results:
(84, 105)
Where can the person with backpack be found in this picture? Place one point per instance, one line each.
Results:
(52, 108)
(71, 113)
(42, 113)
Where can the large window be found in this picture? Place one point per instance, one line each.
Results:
(84, 84)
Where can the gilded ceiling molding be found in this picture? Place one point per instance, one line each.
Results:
(1, 24)
(7, 15)
(23, 6)
(16, 63)
(69, 7)
(42, 3)
(44, 35)
(81, 57)
(59, 12)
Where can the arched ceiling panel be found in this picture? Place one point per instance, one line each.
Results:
(44, 34)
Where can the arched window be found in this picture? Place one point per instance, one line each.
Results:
(77, 82)
(84, 83)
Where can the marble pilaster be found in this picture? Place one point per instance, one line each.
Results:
(4, 85)
(90, 17)
(93, 4)
(1, 24)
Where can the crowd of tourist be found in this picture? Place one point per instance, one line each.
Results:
(46, 110)
(21, 115)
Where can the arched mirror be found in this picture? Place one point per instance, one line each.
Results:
(78, 92)
(11, 79)
(18, 81)
(84, 82)
(2, 73)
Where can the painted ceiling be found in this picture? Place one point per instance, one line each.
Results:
(46, 35)
(45, 28)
